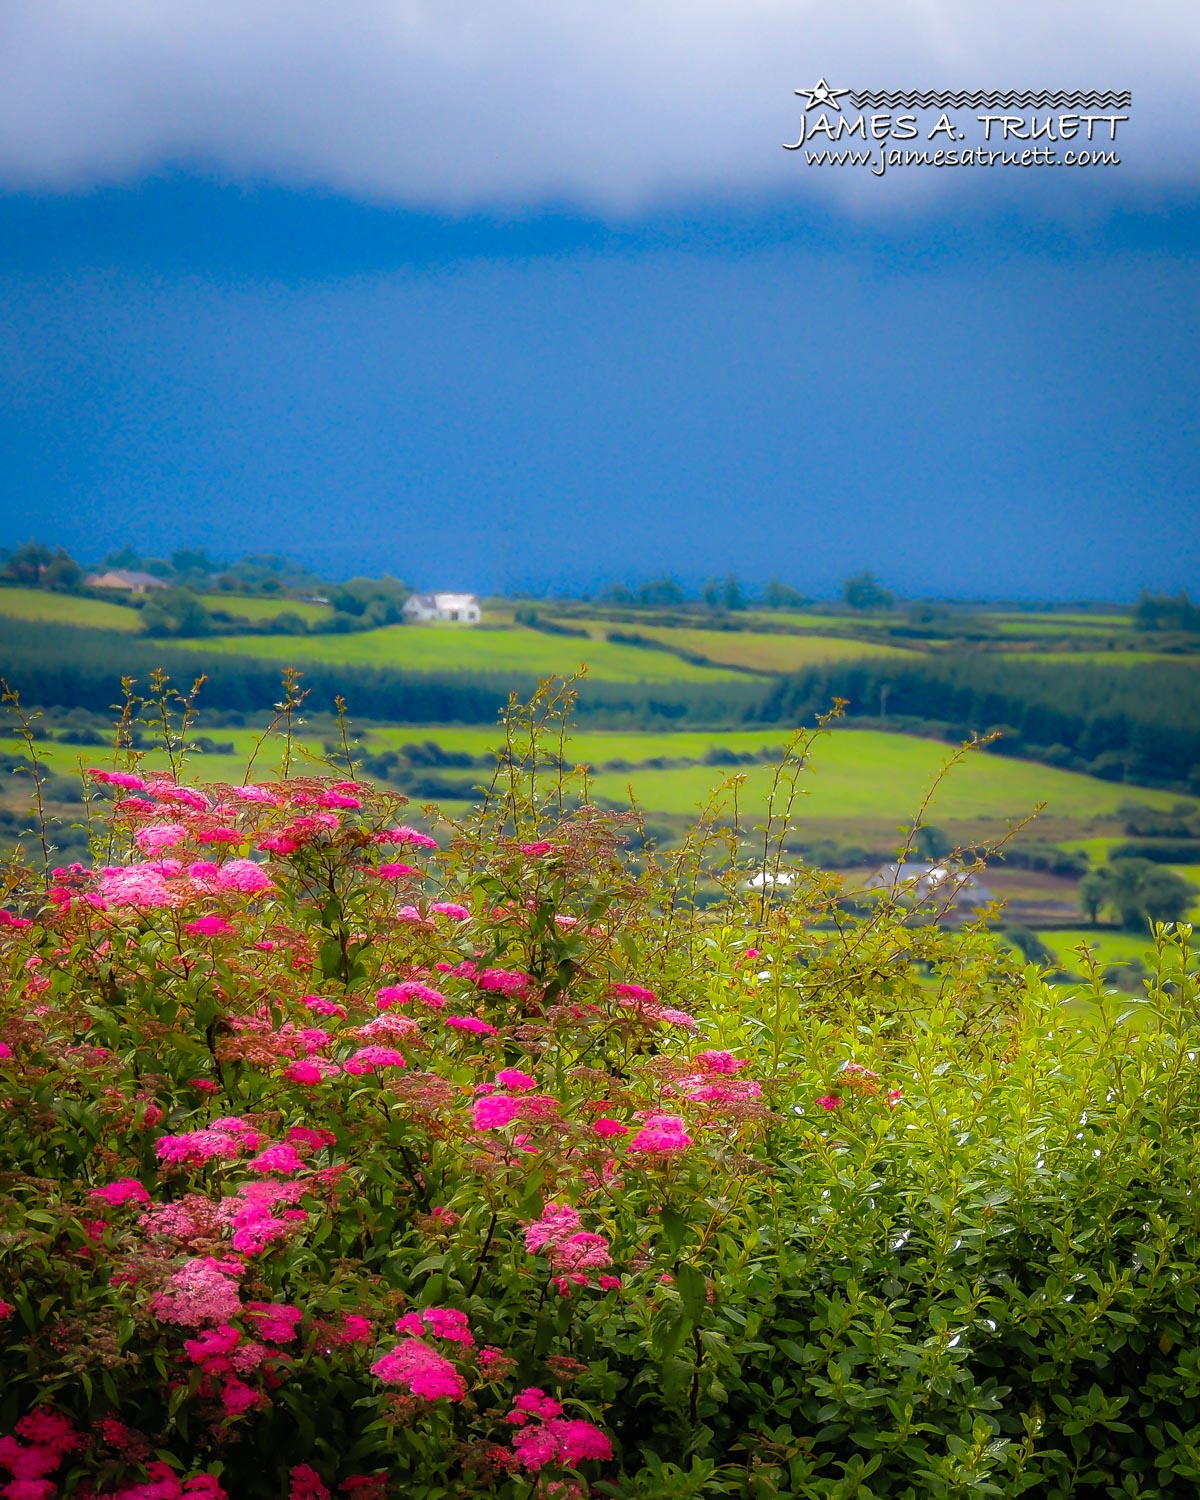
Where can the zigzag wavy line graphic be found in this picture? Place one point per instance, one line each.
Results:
(1010, 98)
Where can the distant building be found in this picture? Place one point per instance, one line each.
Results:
(419, 609)
(129, 583)
(923, 883)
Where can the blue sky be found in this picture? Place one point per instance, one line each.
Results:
(552, 371)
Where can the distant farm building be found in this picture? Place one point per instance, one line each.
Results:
(129, 583)
(945, 886)
(419, 609)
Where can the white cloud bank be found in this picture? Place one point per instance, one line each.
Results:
(611, 105)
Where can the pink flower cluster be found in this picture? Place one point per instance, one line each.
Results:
(547, 1437)
(202, 1291)
(225, 1139)
(443, 1322)
(424, 1371)
(661, 1135)
(571, 1251)
(405, 835)
(372, 1059)
(411, 989)
(124, 1190)
(645, 1004)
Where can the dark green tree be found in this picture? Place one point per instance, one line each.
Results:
(1094, 891)
(732, 594)
(864, 592)
(660, 591)
(778, 595)
(175, 612)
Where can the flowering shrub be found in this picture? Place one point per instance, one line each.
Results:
(511, 1171)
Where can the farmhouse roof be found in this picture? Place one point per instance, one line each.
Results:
(442, 601)
(120, 578)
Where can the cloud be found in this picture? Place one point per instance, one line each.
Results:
(608, 105)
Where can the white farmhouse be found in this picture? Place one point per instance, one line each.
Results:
(419, 609)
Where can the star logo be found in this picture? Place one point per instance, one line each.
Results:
(822, 96)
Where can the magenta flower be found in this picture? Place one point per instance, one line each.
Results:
(561, 1440)
(276, 1322)
(124, 1190)
(634, 992)
(322, 1007)
(829, 1101)
(502, 981)
(513, 1078)
(495, 1111)
(661, 1135)
(532, 1402)
(277, 1158)
(472, 1024)
(411, 989)
(422, 1369)
(208, 927)
(395, 872)
(443, 1322)
(720, 1062)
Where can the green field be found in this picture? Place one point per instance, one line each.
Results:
(64, 609)
(253, 608)
(754, 651)
(860, 780)
(870, 775)
(504, 651)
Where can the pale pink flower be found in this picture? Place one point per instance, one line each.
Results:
(200, 1292)
(118, 778)
(368, 1059)
(257, 793)
(452, 910)
(242, 876)
(406, 835)
(160, 836)
(558, 1222)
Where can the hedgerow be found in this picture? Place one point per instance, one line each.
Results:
(338, 1159)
